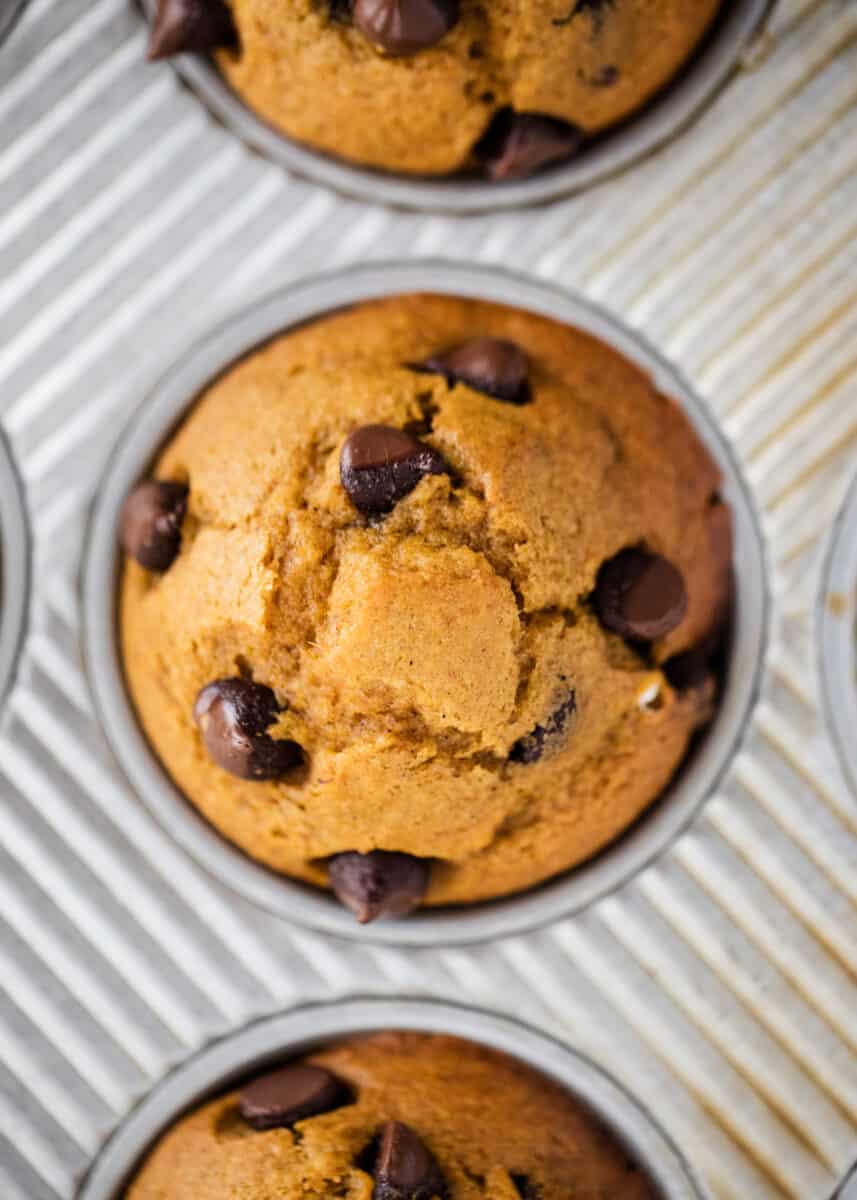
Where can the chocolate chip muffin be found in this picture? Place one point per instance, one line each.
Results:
(394, 1116)
(422, 600)
(435, 87)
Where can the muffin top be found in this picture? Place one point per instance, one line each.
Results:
(428, 601)
(393, 1116)
(433, 87)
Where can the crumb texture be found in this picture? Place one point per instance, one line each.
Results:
(442, 666)
(496, 1129)
(311, 73)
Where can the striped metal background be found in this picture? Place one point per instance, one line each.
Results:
(720, 986)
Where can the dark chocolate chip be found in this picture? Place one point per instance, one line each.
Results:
(233, 715)
(150, 529)
(191, 26)
(517, 145)
(379, 465)
(405, 26)
(382, 883)
(291, 1094)
(405, 1168)
(526, 1189)
(532, 747)
(497, 367)
(640, 595)
(689, 670)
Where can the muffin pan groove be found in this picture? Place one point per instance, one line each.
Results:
(718, 986)
(276, 1039)
(14, 569)
(290, 899)
(662, 119)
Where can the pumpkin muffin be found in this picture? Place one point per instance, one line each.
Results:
(422, 600)
(436, 87)
(393, 1116)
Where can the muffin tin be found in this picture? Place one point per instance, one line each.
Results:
(268, 1042)
(14, 568)
(293, 900)
(837, 631)
(657, 123)
(719, 984)
(9, 16)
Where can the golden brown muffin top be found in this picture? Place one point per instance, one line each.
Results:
(479, 1123)
(445, 673)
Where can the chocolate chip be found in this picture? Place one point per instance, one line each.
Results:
(497, 367)
(379, 465)
(640, 595)
(525, 1187)
(233, 715)
(150, 528)
(688, 670)
(517, 145)
(291, 1094)
(382, 883)
(405, 26)
(405, 1168)
(533, 746)
(191, 26)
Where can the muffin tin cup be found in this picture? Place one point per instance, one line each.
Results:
(14, 568)
(837, 636)
(664, 117)
(258, 1046)
(310, 906)
(12, 10)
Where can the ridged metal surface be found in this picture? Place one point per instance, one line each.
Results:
(720, 986)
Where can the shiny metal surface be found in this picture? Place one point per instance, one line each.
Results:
(719, 985)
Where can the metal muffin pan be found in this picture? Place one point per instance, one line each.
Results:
(10, 12)
(664, 117)
(14, 568)
(848, 1190)
(273, 1040)
(837, 633)
(295, 901)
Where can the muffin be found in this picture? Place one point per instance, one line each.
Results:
(437, 87)
(423, 601)
(394, 1116)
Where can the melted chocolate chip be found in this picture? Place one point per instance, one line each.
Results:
(497, 367)
(688, 670)
(525, 1187)
(517, 145)
(233, 715)
(291, 1094)
(604, 77)
(191, 26)
(379, 884)
(405, 26)
(379, 465)
(405, 1168)
(150, 528)
(533, 746)
(640, 595)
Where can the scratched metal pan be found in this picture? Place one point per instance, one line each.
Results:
(657, 123)
(295, 901)
(14, 568)
(837, 634)
(264, 1043)
(10, 11)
